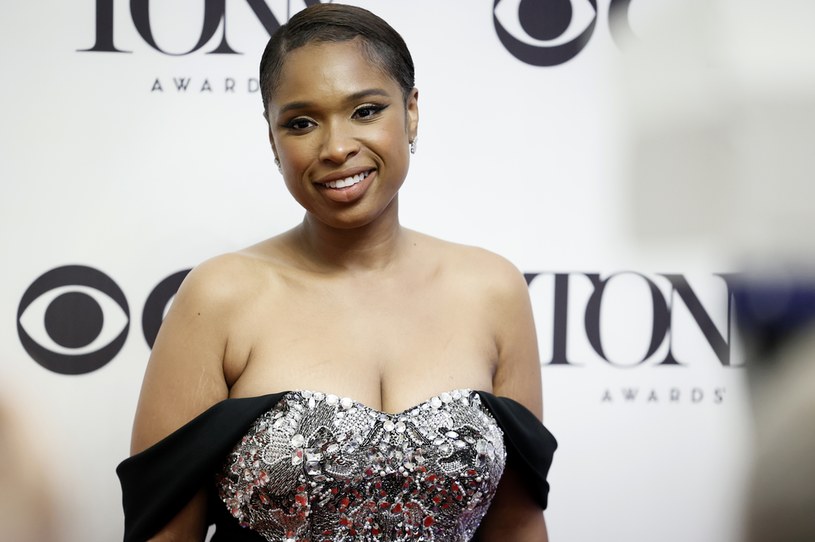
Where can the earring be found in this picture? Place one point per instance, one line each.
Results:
(413, 145)
(277, 163)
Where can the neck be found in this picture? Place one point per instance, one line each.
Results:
(372, 247)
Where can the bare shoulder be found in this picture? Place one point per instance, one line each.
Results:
(486, 271)
(222, 278)
(228, 281)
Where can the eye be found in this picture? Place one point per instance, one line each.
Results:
(299, 124)
(367, 111)
(545, 32)
(73, 320)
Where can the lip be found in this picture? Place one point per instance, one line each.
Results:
(343, 175)
(349, 194)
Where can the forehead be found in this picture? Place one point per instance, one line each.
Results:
(320, 72)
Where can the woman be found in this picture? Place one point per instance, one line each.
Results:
(389, 328)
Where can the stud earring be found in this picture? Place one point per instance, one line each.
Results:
(277, 163)
(413, 145)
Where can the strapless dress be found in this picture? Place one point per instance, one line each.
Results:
(311, 466)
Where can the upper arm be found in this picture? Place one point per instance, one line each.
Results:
(185, 375)
(514, 513)
(517, 370)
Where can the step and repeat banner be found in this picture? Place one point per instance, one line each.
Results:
(134, 147)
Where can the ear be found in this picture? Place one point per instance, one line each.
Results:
(412, 113)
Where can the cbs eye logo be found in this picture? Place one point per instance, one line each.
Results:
(75, 319)
(552, 32)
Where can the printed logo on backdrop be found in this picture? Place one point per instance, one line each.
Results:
(643, 324)
(216, 37)
(75, 319)
(537, 32)
(551, 32)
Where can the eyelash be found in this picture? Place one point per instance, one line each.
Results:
(292, 124)
(373, 108)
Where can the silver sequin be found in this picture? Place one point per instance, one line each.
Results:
(320, 468)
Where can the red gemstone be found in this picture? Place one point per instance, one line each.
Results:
(428, 521)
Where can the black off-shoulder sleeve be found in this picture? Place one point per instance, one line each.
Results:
(530, 446)
(159, 481)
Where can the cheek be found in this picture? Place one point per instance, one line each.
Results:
(295, 156)
(392, 139)
(294, 160)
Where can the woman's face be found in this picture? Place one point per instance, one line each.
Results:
(341, 128)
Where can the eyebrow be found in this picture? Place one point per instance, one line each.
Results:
(291, 106)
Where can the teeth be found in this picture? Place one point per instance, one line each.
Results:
(348, 181)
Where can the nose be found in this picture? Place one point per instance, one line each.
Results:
(338, 144)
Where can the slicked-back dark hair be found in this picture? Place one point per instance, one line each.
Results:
(337, 23)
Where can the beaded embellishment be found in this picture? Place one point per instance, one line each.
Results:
(317, 467)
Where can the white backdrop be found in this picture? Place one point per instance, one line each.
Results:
(102, 169)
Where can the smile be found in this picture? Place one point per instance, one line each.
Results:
(348, 181)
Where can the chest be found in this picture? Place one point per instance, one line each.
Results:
(387, 344)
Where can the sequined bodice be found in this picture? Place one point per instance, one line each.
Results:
(317, 467)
